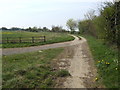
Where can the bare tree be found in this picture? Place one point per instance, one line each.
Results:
(90, 15)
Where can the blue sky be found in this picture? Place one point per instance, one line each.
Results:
(40, 13)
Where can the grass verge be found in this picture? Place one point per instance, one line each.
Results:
(30, 70)
(106, 60)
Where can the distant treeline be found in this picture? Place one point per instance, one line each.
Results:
(35, 29)
(106, 25)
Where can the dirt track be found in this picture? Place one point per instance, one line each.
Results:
(81, 68)
(10, 51)
(76, 59)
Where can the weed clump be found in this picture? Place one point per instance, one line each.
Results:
(63, 73)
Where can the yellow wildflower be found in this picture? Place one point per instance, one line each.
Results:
(106, 62)
(98, 61)
(96, 79)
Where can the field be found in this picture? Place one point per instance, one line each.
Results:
(50, 38)
(106, 60)
(31, 70)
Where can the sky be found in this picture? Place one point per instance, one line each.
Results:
(44, 13)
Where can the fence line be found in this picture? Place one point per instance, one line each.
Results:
(23, 39)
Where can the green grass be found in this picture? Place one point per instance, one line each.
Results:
(0, 72)
(63, 73)
(30, 70)
(51, 37)
(106, 60)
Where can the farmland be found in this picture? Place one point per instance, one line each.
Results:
(50, 38)
(33, 69)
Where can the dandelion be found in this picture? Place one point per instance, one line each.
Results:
(96, 79)
(107, 63)
(98, 61)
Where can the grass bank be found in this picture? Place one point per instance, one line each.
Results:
(31, 70)
(106, 60)
(51, 37)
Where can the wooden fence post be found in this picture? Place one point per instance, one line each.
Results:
(20, 40)
(44, 39)
(32, 39)
(7, 40)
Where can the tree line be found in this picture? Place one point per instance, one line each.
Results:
(36, 29)
(105, 26)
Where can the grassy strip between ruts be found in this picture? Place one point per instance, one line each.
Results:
(106, 60)
(51, 37)
(31, 70)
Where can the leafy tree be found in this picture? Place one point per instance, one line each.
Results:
(72, 25)
(109, 15)
(15, 28)
(39, 29)
(106, 25)
(45, 29)
(57, 28)
(4, 28)
(34, 29)
(83, 26)
(28, 29)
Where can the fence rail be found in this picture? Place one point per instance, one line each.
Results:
(23, 39)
